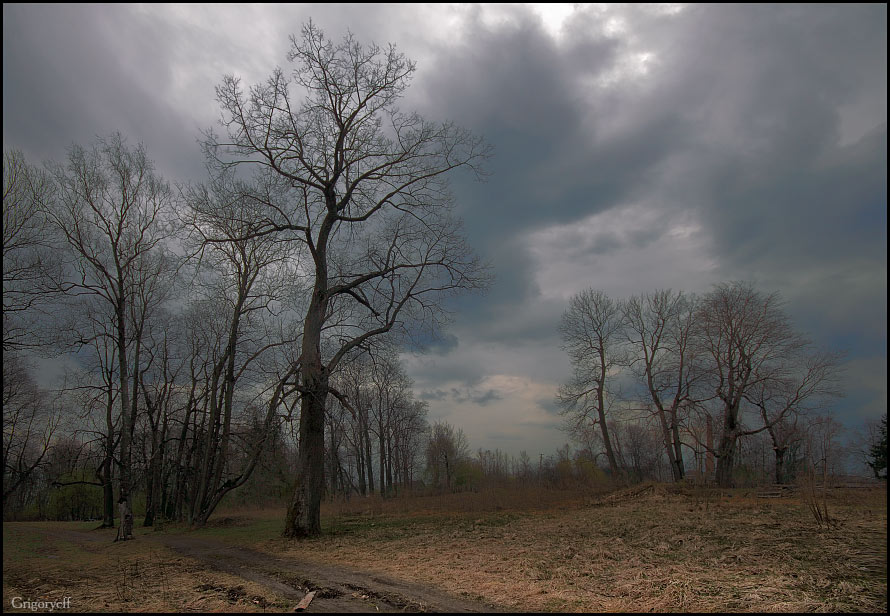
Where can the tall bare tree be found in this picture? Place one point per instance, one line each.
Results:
(659, 328)
(591, 330)
(367, 202)
(245, 277)
(110, 210)
(757, 366)
(96, 392)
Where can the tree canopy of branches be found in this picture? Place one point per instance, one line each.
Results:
(28, 261)
(367, 202)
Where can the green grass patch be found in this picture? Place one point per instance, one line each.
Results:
(239, 530)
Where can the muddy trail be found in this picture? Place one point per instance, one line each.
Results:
(337, 588)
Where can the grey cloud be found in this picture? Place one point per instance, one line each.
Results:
(480, 398)
(549, 405)
(436, 394)
(503, 436)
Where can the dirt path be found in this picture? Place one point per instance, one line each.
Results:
(338, 589)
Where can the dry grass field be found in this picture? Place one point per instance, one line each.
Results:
(648, 548)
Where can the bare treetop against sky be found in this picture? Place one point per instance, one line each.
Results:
(635, 148)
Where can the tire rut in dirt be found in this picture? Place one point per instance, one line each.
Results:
(337, 588)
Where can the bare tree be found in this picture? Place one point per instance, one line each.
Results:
(110, 212)
(246, 277)
(660, 326)
(391, 390)
(96, 392)
(352, 380)
(446, 448)
(876, 448)
(800, 385)
(753, 360)
(591, 328)
(381, 411)
(367, 202)
(29, 424)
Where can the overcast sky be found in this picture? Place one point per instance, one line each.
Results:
(635, 148)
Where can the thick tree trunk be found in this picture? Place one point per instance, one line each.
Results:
(780, 463)
(107, 494)
(389, 462)
(369, 461)
(726, 449)
(610, 454)
(108, 474)
(667, 438)
(360, 465)
(725, 461)
(125, 531)
(303, 514)
(303, 518)
(600, 399)
(382, 448)
(678, 448)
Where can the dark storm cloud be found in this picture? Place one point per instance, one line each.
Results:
(759, 129)
(71, 72)
(515, 86)
(792, 190)
(463, 396)
(767, 123)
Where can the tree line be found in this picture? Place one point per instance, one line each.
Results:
(704, 373)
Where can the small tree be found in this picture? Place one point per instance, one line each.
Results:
(446, 450)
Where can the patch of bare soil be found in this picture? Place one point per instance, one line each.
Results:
(183, 572)
(338, 588)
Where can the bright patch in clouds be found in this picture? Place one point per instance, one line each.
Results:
(553, 15)
(623, 251)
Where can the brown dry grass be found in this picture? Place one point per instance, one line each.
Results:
(45, 561)
(647, 548)
(650, 549)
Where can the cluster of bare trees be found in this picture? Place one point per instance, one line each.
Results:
(375, 427)
(705, 372)
(199, 318)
